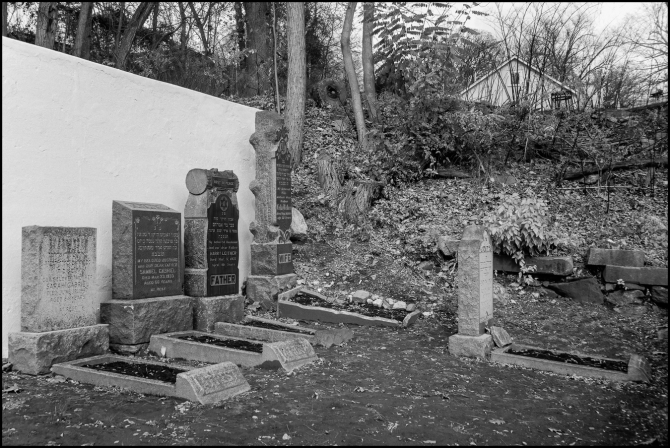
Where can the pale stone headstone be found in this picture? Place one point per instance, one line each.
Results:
(291, 353)
(475, 281)
(57, 278)
(146, 250)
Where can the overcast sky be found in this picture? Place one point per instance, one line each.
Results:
(609, 13)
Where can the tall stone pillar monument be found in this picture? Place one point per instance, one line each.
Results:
(271, 249)
(211, 247)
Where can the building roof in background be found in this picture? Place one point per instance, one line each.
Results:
(519, 60)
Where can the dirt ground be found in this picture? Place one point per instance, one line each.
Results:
(386, 386)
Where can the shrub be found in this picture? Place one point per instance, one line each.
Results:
(519, 227)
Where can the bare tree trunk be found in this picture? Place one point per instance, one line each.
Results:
(357, 196)
(82, 41)
(239, 28)
(296, 90)
(258, 62)
(47, 23)
(122, 11)
(139, 17)
(274, 56)
(368, 65)
(201, 27)
(345, 42)
(4, 19)
(328, 177)
(154, 27)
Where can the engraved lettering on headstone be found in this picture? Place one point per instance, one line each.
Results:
(222, 247)
(485, 281)
(157, 240)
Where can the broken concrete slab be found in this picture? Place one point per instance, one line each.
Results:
(615, 257)
(585, 290)
(558, 266)
(651, 276)
(659, 295)
(306, 312)
(264, 334)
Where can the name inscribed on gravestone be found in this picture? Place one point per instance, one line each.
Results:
(292, 350)
(284, 260)
(222, 247)
(282, 203)
(485, 281)
(147, 257)
(57, 278)
(217, 378)
(157, 240)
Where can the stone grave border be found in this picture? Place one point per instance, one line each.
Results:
(263, 334)
(182, 388)
(197, 351)
(638, 367)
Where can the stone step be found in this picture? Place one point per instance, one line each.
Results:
(560, 266)
(615, 257)
(642, 276)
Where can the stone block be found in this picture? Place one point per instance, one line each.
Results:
(615, 257)
(659, 294)
(133, 322)
(271, 259)
(471, 346)
(35, 353)
(411, 318)
(57, 278)
(642, 276)
(448, 246)
(621, 298)
(500, 337)
(291, 354)
(209, 310)
(559, 266)
(360, 296)
(146, 250)
(265, 289)
(584, 290)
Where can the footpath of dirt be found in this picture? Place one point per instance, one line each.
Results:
(386, 386)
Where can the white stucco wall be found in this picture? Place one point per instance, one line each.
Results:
(77, 135)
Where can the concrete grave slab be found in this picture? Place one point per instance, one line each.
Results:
(264, 334)
(293, 352)
(206, 385)
(638, 367)
(306, 312)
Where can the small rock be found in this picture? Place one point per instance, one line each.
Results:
(426, 266)
(548, 293)
(360, 296)
(298, 226)
(378, 302)
(386, 304)
(663, 334)
(339, 301)
(622, 298)
(369, 301)
(500, 293)
(411, 307)
(500, 336)
(399, 305)
(7, 367)
(585, 290)
(545, 284)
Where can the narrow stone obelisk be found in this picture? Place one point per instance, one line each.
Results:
(475, 294)
(271, 249)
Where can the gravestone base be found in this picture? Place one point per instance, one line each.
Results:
(264, 289)
(132, 322)
(471, 346)
(209, 310)
(271, 258)
(35, 353)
